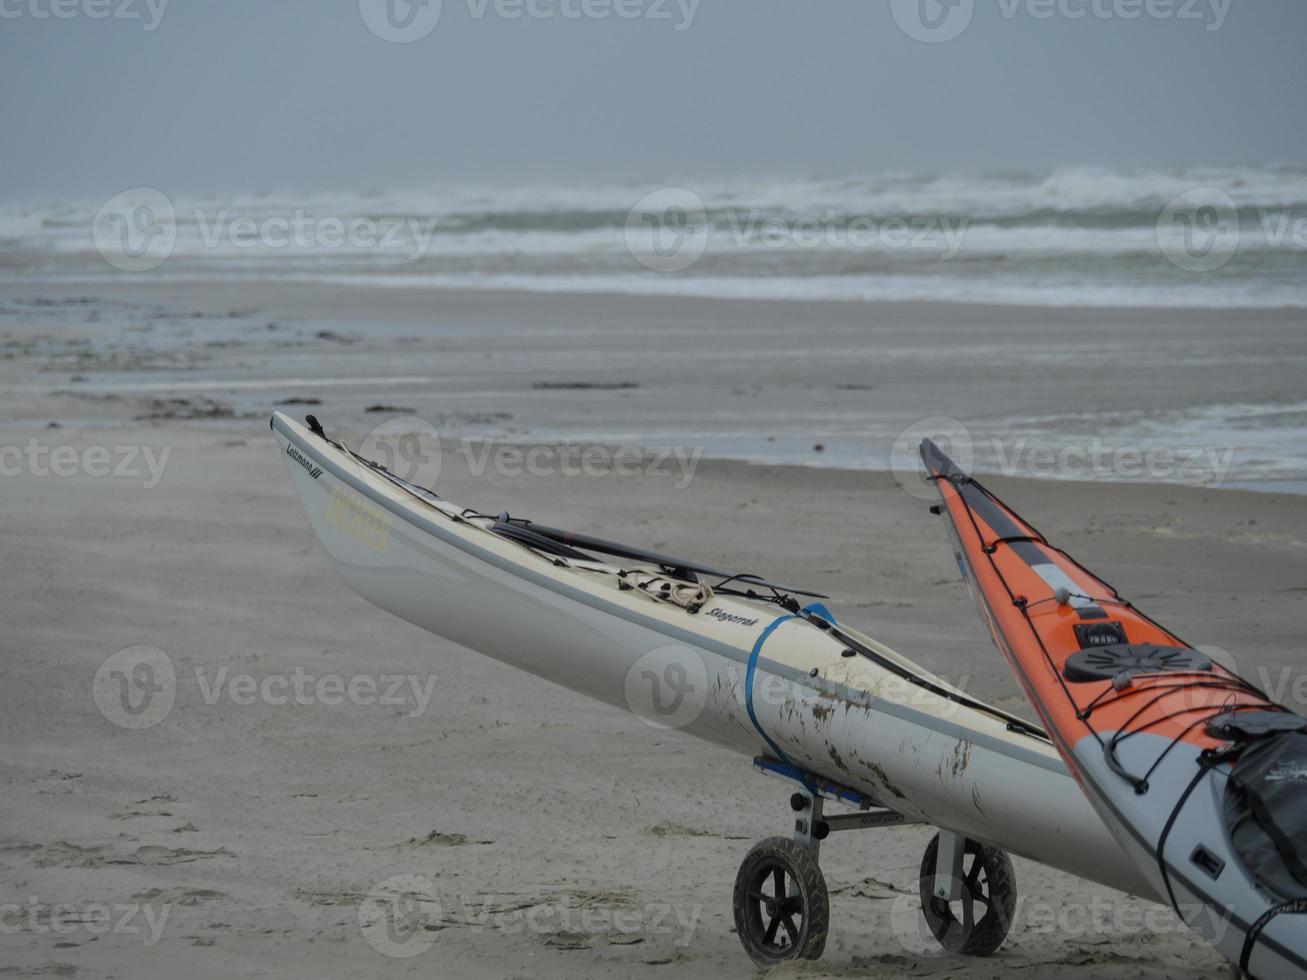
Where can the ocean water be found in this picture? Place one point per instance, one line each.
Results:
(1207, 406)
(1200, 236)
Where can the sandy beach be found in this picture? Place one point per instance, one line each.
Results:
(143, 503)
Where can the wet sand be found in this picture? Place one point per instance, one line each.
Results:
(762, 380)
(242, 833)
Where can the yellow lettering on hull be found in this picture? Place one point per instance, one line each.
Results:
(362, 520)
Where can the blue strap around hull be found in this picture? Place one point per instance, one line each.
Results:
(818, 609)
(815, 608)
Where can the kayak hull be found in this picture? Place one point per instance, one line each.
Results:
(745, 675)
(1167, 853)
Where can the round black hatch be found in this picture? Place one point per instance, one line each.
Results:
(1105, 663)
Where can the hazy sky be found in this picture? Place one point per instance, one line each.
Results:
(254, 94)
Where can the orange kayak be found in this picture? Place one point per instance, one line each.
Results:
(1198, 774)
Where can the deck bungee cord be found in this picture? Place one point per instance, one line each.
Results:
(558, 543)
(1011, 721)
(1125, 685)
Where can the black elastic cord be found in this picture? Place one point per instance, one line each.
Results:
(1232, 682)
(1021, 602)
(1203, 769)
(1012, 721)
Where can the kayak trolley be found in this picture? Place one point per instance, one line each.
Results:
(782, 910)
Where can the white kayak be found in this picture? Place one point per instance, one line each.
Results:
(741, 663)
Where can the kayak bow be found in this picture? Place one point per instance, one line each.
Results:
(1198, 774)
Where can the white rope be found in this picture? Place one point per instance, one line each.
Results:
(689, 596)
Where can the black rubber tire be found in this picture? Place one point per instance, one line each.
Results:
(796, 927)
(988, 881)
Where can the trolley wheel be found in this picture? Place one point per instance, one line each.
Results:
(782, 911)
(976, 924)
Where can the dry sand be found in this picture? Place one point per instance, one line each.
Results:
(563, 837)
